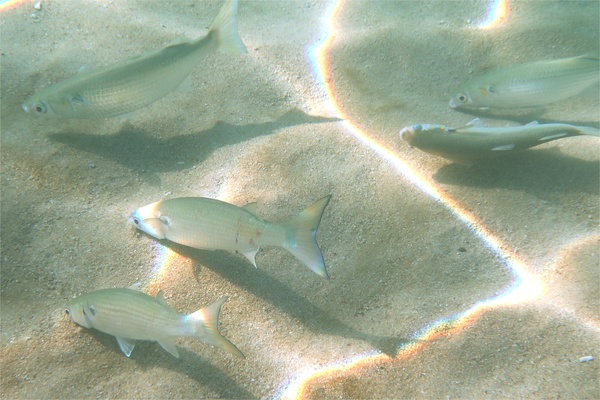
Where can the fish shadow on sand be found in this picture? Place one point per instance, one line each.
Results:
(282, 297)
(150, 355)
(149, 155)
(533, 171)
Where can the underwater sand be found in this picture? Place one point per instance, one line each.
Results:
(446, 281)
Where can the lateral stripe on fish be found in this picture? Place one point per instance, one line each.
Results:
(211, 224)
(130, 315)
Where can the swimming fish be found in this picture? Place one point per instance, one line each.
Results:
(132, 84)
(529, 85)
(131, 315)
(211, 224)
(469, 143)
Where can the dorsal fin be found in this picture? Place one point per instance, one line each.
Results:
(250, 207)
(474, 122)
(160, 296)
(504, 147)
(471, 124)
(533, 123)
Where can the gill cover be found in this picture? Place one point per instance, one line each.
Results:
(152, 226)
(80, 314)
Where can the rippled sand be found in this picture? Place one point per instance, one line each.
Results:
(446, 281)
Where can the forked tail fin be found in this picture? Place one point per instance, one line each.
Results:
(301, 238)
(204, 325)
(225, 26)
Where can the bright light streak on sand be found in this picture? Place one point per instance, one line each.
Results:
(9, 4)
(497, 14)
(526, 286)
(165, 260)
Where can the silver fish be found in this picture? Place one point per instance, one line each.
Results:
(529, 85)
(131, 315)
(212, 224)
(469, 143)
(132, 84)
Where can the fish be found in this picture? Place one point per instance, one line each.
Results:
(129, 315)
(129, 85)
(529, 85)
(211, 224)
(473, 142)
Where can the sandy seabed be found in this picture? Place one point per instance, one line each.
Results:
(261, 128)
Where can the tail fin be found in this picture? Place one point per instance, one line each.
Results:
(301, 237)
(225, 26)
(205, 327)
(587, 130)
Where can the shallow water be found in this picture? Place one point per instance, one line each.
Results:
(446, 281)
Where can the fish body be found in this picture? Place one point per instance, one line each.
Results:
(131, 315)
(472, 142)
(211, 224)
(529, 85)
(132, 84)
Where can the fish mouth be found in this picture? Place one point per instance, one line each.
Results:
(452, 104)
(24, 107)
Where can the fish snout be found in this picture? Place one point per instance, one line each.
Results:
(407, 133)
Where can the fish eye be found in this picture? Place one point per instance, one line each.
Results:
(40, 108)
(136, 221)
(462, 97)
(67, 311)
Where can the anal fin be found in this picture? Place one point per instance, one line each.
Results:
(169, 345)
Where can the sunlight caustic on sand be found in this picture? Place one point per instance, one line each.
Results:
(9, 4)
(497, 15)
(525, 287)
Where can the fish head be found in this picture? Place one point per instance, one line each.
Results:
(413, 134)
(47, 104)
(81, 312)
(478, 95)
(408, 133)
(149, 220)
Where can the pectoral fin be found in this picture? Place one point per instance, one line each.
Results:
(169, 345)
(250, 255)
(126, 345)
(78, 99)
